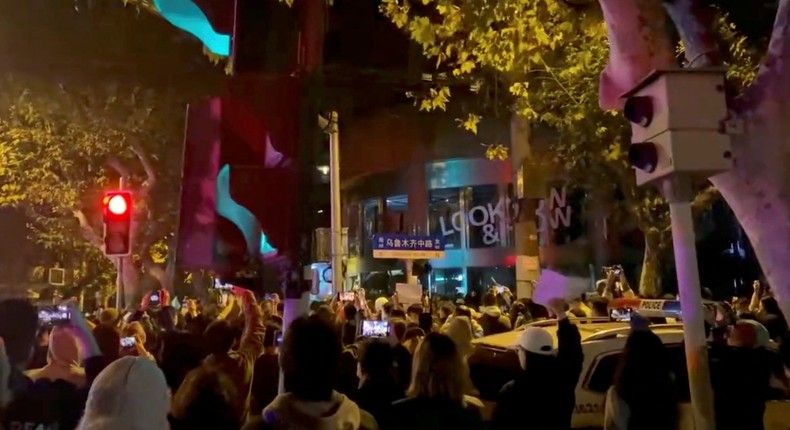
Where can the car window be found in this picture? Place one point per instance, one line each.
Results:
(602, 375)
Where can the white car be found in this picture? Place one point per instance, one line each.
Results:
(494, 363)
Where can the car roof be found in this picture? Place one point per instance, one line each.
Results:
(592, 330)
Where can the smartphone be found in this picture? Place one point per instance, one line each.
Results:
(53, 315)
(155, 298)
(373, 328)
(128, 342)
(347, 296)
(621, 315)
(220, 286)
(500, 289)
(278, 340)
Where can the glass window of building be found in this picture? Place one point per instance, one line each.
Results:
(566, 214)
(370, 224)
(481, 279)
(445, 217)
(395, 214)
(488, 217)
(447, 283)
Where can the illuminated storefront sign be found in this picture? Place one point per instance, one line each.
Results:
(557, 214)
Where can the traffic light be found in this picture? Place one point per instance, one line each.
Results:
(677, 124)
(117, 223)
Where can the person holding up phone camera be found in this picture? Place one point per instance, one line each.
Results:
(238, 364)
(616, 284)
(133, 338)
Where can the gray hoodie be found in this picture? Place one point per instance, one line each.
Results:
(286, 412)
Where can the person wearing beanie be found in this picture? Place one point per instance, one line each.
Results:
(63, 359)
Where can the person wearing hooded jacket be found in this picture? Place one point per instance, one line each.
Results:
(44, 403)
(63, 359)
(543, 395)
(310, 401)
(129, 394)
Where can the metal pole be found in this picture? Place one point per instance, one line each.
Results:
(338, 281)
(678, 192)
(119, 290)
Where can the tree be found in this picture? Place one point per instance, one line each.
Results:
(544, 59)
(96, 96)
(63, 146)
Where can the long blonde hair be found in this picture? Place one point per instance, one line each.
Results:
(439, 370)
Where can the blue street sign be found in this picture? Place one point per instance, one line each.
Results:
(407, 247)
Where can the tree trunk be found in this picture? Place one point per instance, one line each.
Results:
(758, 191)
(199, 285)
(650, 277)
(131, 282)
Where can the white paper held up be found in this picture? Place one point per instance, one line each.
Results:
(409, 294)
(552, 285)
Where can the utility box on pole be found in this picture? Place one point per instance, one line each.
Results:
(677, 123)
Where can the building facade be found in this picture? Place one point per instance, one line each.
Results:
(467, 201)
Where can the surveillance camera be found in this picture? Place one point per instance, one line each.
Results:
(639, 110)
(643, 156)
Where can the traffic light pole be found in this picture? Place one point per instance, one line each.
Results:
(677, 190)
(331, 126)
(119, 289)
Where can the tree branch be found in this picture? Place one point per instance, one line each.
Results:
(774, 75)
(695, 24)
(116, 164)
(88, 232)
(638, 44)
(146, 162)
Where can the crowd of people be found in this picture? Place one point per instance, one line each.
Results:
(232, 367)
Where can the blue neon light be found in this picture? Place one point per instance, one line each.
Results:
(187, 16)
(242, 217)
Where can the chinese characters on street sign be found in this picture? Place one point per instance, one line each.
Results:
(407, 247)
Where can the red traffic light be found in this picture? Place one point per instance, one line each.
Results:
(117, 205)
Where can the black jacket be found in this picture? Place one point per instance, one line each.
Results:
(543, 396)
(376, 397)
(741, 386)
(48, 405)
(434, 414)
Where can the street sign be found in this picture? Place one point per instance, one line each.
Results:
(407, 247)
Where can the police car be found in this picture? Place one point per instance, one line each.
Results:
(495, 363)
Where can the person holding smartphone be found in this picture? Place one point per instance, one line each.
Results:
(136, 332)
(238, 364)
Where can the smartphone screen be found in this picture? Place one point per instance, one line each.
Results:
(371, 328)
(500, 289)
(220, 286)
(53, 315)
(127, 342)
(347, 296)
(279, 339)
(622, 315)
(154, 298)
